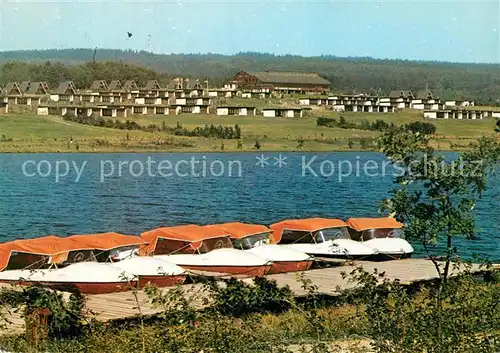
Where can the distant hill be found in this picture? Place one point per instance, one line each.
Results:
(480, 82)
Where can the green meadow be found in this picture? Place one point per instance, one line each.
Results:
(26, 132)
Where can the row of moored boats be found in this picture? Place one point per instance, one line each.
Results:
(111, 262)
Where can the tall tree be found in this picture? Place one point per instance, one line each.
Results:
(435, 197)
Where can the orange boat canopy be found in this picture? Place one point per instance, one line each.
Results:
(190, 233)
(239, 230)
(304, 225)
(45, 246)
(360, 224)
(59, 247)
(105, 241)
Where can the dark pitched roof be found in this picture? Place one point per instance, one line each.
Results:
(185, 83)
(66, 87)
(400, 94)
(12, 88)
(152, 84)
(24, 86)
(196, 84)
(38, 88)
(424, 94)
(176, 83)
(290, 77)
(99, 85)
(130, 85)
(115, 85)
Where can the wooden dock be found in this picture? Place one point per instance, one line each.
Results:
(328, 280)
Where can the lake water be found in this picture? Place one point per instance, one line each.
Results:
(63, 194)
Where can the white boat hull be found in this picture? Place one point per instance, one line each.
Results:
(87, 277)
(225, 260)
(340, 248)
(390, 248)
(150, 270)
(283, 259)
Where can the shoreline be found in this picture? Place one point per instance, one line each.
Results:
(210, 151)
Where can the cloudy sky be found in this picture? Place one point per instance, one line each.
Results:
(463, 31)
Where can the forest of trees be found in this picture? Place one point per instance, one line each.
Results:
(480, 82)
(82, 75)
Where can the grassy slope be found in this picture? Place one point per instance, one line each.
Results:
(31, 133)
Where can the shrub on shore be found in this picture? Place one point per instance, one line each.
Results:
(207, 131)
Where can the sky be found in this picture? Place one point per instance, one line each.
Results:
(458, 31)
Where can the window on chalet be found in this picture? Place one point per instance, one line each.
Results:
(186, 109)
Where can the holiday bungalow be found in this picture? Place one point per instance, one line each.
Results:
(188, 86)
(259, 95)
(284, 112)
(130, 85)
(136, 109)
(459, 103)
(280, 81)
(190, 109)
(236, 110)
(313, 101)
(115, 85)
(152, 86)
(193, 101)
(222, 93)
(99, 86)
(37, 89)
(425, 100)
(65, 92)
(461, 114)
(12, 89)
(366, 108)
(401, 99)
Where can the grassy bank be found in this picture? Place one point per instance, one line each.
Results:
(31, 133)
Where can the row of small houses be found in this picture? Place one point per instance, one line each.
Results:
(397, 99)
(32, 93)
(432, 107)
(126, 110)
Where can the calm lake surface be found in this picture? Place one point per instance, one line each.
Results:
(63, 194)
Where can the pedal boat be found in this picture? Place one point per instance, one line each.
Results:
(320, 237)
(254, 238)
(200, 248)
(384, 235)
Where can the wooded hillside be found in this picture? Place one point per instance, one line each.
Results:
(480, 82)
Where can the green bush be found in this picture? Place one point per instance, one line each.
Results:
(66, 318)
(343, 123)
(237, 298)
(421, 127)
(208, 131)
(467, 319)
